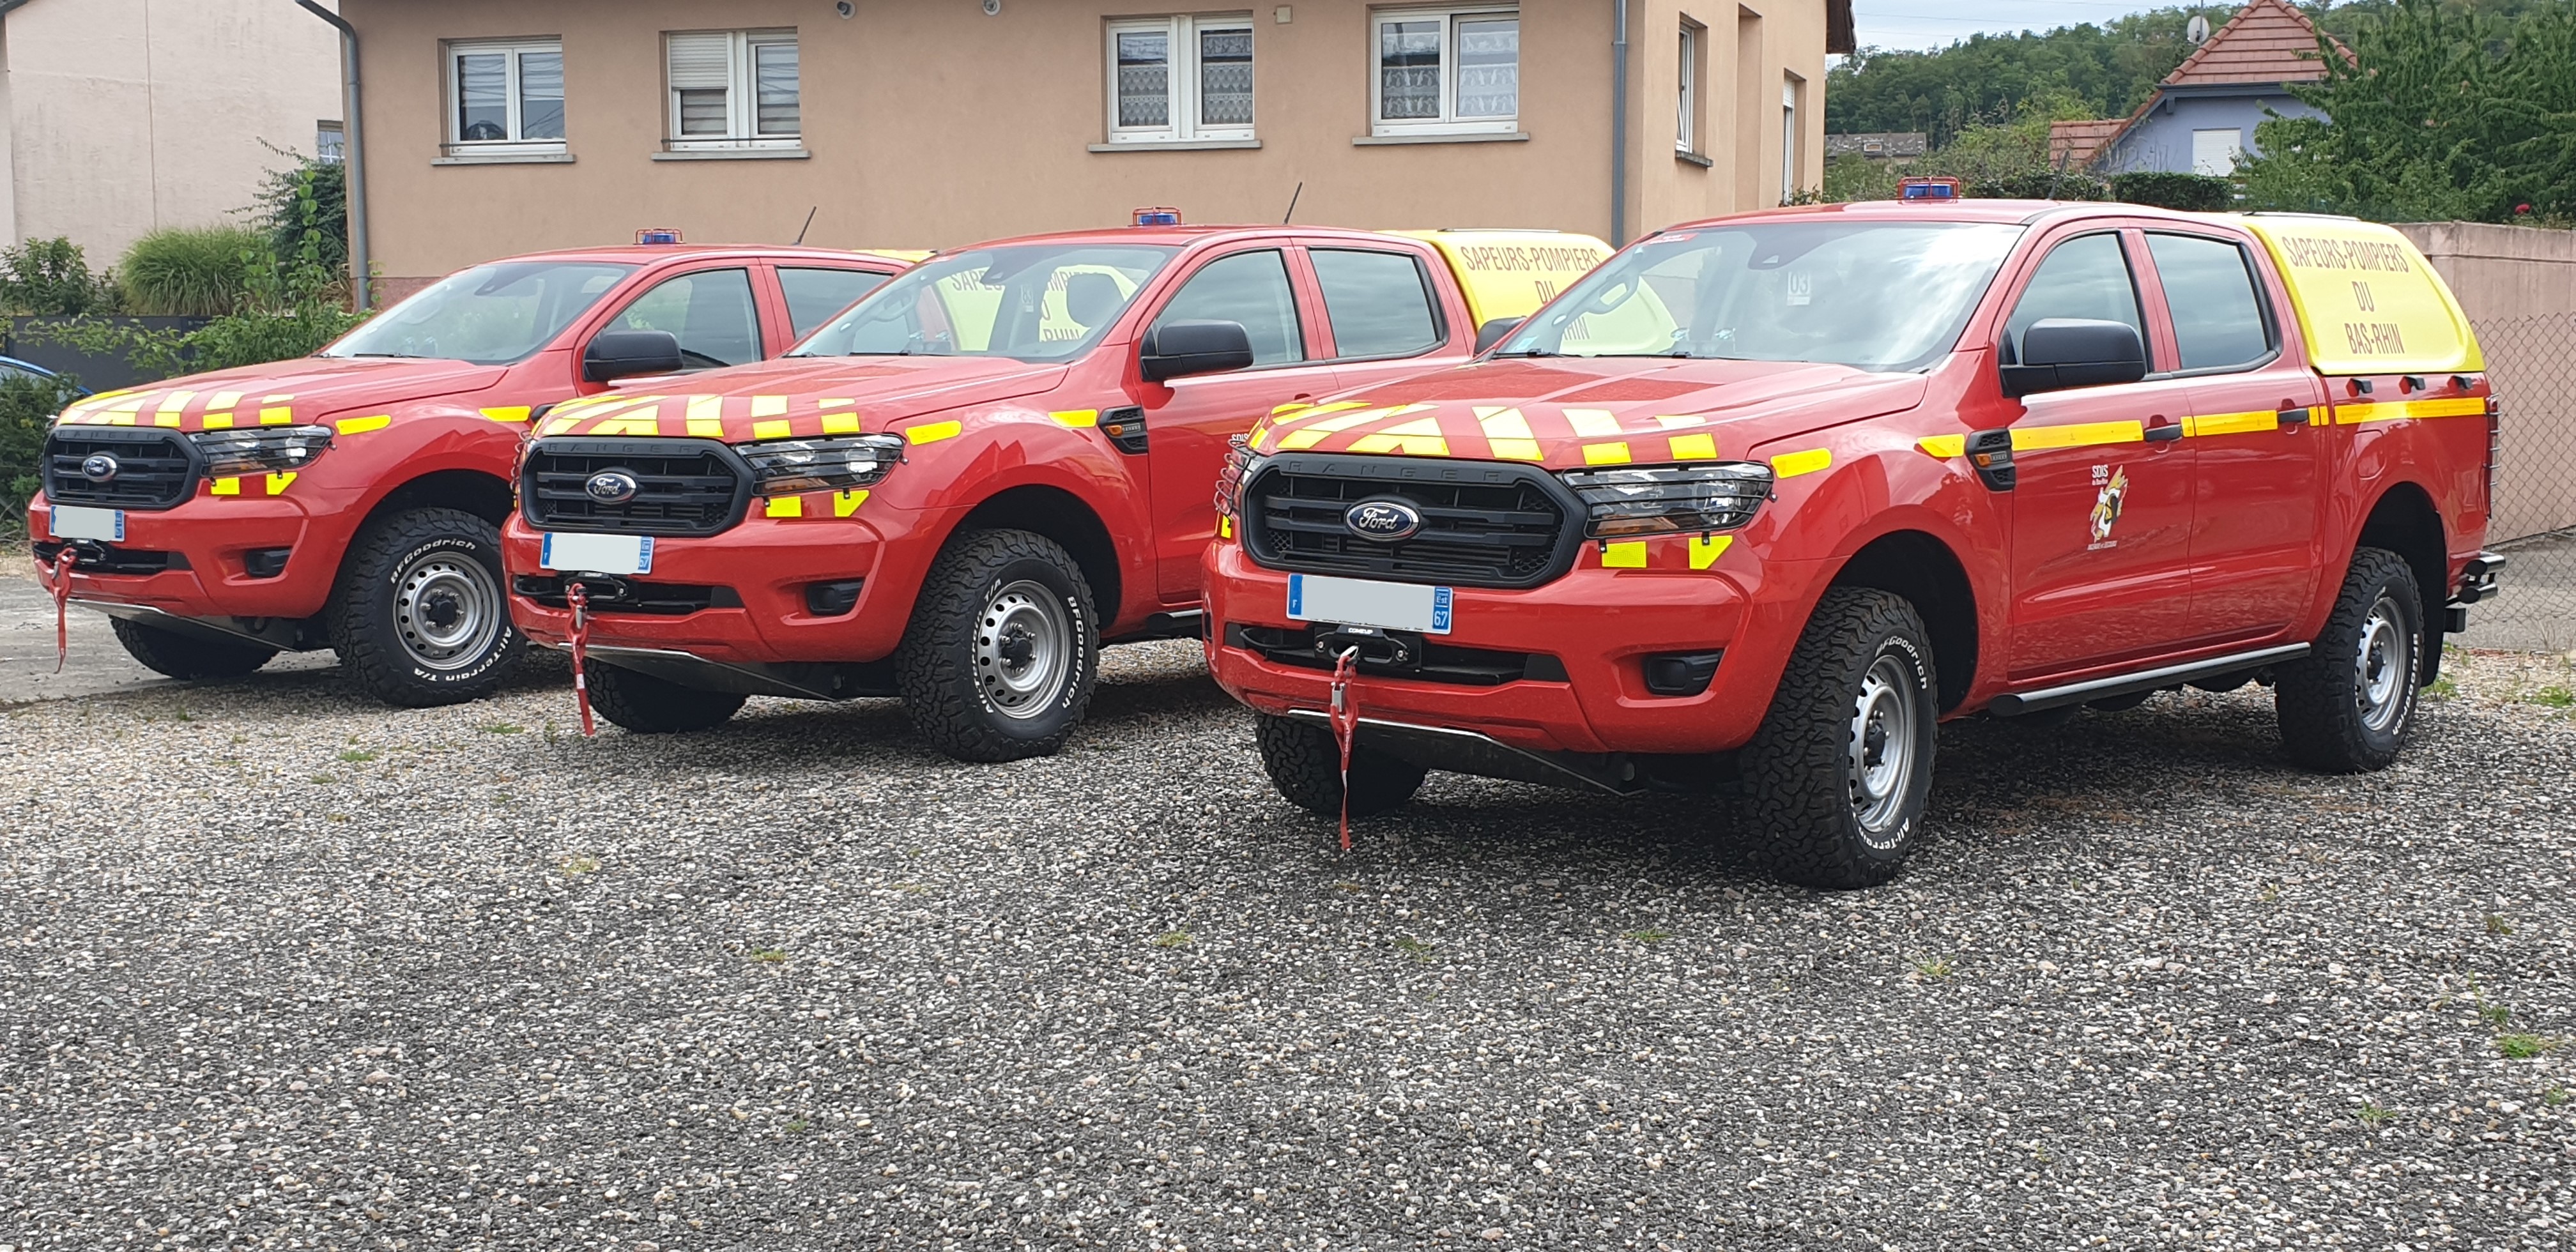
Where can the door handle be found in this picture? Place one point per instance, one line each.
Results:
(2163, 429)
(2290, 417)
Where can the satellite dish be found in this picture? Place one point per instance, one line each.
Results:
(2198, 31)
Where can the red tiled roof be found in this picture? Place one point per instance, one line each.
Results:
(2266, 42)
(2072, 145)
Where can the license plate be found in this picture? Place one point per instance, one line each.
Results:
(73, 522)
(598, 554)
(1359, 602)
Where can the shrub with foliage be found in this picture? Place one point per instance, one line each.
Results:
(51, 277)
(27, 408)
(307, 202)
(2175, 189)
(1992, 160)
(198, 271)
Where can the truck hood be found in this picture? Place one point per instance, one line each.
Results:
(1567, 412)
(796, 397)
(286, 393)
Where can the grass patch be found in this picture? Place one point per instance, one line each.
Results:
(2554, 1096)
(797, 1127)
(2372, 1115)
(2554, 696)
(576, 866)
(357, 756)
(322, 780)
(1651, 934)
(2443, 688)
(501, 728)
(768, 956)
(1931, 968)
(2522, 1046)
(1414, 948)
(2497, 925)
(1174, 939)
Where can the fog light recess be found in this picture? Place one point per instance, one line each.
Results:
(1681, 673)
(834, 598)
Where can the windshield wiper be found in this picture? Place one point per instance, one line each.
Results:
(407, 356)
(1530, 352)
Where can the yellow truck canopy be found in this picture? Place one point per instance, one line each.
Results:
(2368, 302)
(1509, 273)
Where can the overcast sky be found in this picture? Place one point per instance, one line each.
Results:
(1933, 23)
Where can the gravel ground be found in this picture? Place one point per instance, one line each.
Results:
(281, 969)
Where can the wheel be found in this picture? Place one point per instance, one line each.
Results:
(418, 616)
(2347, 705)
(656, 706)
(998, 661)
(189, 656)
(1305, 764)
(1837, 775)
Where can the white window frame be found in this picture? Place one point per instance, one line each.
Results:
(1448, 123)
(453, 51)
(1686, 123)
(1789, 136)
(1181, 42)
(742, 87)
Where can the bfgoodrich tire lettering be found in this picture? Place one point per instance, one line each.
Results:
(419, 617)
(189, 656)
(1305, 763)
(656, 706)
(2348, 705)
(998, 661)
(1837, 776)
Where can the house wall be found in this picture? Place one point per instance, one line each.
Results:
(2518, 286)
(126, 116)
(935, 125)
(2162, 139)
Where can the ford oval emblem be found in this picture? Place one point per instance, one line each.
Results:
(1382, 520)
(611, 487)
(99, 468)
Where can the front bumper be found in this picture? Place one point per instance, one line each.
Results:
(197, 560)
(1596, 626)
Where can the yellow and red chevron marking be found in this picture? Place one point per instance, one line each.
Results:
(1663, 553)
(732, 418)
(1557, 436)
(186, 410)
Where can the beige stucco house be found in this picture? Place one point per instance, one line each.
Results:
(500, 126)
(125, 116)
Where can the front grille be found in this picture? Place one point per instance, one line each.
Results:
(628, 595)
(154, 469)
(1484, 524)
(688, 487)
(101, 558)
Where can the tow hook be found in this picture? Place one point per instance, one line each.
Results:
(1368, 645)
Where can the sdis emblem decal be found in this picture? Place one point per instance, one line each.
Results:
(2114, 486)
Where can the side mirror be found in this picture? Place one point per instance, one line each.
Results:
(615, 354)
(1493, 332)
(2062, 352)
(1173, 349)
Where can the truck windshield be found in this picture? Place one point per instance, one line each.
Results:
(1031, 302)
(1884, 296)
(490, 314)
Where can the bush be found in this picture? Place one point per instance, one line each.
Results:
(308, 203)
(202, 271)
(50, 277)
(2038, 184)
(27, 408)
(2198, 193)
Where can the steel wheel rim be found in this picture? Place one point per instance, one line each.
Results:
(1882, 749)
(1023, 649)
(2382, 663)
(447, 611)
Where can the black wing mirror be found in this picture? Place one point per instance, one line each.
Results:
(2062, 352)
(1493, 332)
(615, 354)
(1173, 349)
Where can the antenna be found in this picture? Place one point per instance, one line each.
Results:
(1292, 202)
(2197, 30)
(809, 225)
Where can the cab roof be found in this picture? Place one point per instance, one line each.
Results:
(648, 253)
(1176, 236)
(2008, 212)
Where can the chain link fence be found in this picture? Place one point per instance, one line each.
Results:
(2532, 363)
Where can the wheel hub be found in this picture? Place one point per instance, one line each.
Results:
(1024, 645)
(447, 611)
(1883, 747)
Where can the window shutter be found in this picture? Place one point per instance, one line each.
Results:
(701, 61)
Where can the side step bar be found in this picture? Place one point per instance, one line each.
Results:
(2145, 680)
(800, 681)
(1467, 752)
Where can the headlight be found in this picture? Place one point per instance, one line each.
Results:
(1240, 461)
(786, 466)
(1670, 499)
(261, 449)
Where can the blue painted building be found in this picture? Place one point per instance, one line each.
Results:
(2204, 113)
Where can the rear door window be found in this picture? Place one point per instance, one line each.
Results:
(2085, 277)
(709, 311)
(2209, 291)
(1378, 303)
(1250, 288)
(814, 295)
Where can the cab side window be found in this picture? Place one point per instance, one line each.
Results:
(2084, 277)
(2209, 289)
(1377, 301)
(1247, 287)
(814, 295)
(709, 312)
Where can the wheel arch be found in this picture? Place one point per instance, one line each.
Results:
(1922, 568)
(2404, 520)
(1067, 519)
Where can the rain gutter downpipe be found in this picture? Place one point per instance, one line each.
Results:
(353, 168)
(1618, 123)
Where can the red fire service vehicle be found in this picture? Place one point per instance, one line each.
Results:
(1762, 498)
(352, 500)
(959, 488)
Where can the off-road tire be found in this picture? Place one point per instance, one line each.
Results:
(1305, 764)
(949, 685)
(2320, 698)
(655, 706)
(189, 656)
(365, 620)
(1800, 810)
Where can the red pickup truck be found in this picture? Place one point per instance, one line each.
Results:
(1758, 502)
(352, 500)
(959, 488)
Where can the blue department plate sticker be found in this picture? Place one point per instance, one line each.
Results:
(1296, 594)
(1440, 597)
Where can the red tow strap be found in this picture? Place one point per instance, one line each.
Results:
(578, 597)
(1346, 724)
(62, 588)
